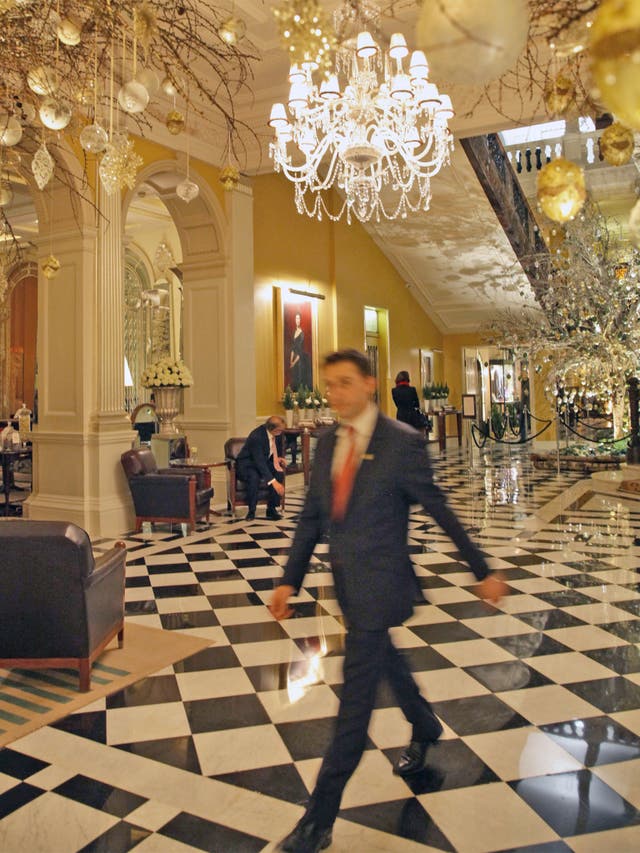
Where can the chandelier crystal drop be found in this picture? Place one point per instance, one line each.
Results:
(375, 129)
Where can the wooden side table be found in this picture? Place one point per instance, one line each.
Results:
(442, 428)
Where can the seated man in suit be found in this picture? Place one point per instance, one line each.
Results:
(262, 458)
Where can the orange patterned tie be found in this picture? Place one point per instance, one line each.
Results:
(343, 480)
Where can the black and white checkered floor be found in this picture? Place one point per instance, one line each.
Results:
(540, 697)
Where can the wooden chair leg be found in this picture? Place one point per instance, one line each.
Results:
(85, 675)
(121, 637)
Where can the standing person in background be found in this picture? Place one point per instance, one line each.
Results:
(367, 474)
(407, 403)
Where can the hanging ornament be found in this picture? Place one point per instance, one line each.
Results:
(616, 144)
(232, 30)
(561, 189)
(187, 190)
(133, 97)
(10, 129)
(149, 79)
(68, 31)
(51, 267)
(119, 165)
(558, 95)
(634, 224)
(94, 139)
(169, 87)
(229, 177)
(43, 80)
(472, 41)
(89, 93)
(42, 166)
(306, 33)
(55, 113)
(6, 193)
(175, 122)
(615, 51)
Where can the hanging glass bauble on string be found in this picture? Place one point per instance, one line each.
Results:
(175, 122)
(42, 166)
(89, 93)
(68, 32)
(187, 190)
(120, 163)
(133, 97)
(51, 267)
(43, 80)
(94, 138)
(149, 79)
(10, 129)
(55, 114)
(169, 87)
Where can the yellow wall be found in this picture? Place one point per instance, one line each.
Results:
(453, 365)
(343, 263)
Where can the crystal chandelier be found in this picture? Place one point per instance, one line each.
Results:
(379, 138)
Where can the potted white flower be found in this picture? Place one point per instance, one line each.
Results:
(167, 378)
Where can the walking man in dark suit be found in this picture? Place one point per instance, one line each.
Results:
(262, 458)
(367, 473)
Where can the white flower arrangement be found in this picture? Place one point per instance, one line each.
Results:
(166, 371)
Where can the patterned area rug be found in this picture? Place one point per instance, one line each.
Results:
(33, 698)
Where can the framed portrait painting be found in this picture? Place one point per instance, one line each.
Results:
(298, 342)
(426, 367)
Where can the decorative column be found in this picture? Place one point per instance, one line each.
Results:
(239, 206)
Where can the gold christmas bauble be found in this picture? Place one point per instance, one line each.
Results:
(561, 189)
(558, 95)
(51, 267)
(615, 49)
(616, 29)
(618, 87)
(175, 122)
(616, 144)
(229, 177)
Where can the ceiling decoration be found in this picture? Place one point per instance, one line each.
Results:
(94, 71)
(371, 122)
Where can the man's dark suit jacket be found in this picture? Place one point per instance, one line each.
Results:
(256, 451)
(373, 575)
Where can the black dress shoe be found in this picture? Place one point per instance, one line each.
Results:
(273, 515)
(306, 837)
(250, 516)
(412, 757)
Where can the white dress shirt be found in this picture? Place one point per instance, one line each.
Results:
(363, 425)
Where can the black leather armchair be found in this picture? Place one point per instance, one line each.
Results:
(174, 495)
(237, 488)
(58, 606)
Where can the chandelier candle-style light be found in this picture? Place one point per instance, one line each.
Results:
(374, 129)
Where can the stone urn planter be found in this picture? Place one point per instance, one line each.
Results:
(168, 400)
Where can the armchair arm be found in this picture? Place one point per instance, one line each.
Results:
(110, 561)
